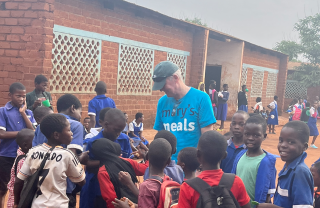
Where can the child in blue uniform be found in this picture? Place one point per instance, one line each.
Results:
(273, 116)
(312, 123)
(135, 131)
(295, 183)
(255, 166)
(242, 99)
(223, 106)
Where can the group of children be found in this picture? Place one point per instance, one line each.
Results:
(201, 175)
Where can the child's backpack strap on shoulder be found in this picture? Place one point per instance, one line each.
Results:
(198, 184)
(16, 163)
(155, 177)
(227, 180)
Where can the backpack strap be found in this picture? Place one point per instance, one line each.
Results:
(227, 180)
(16, 163)
(198, 184)
(155, 177)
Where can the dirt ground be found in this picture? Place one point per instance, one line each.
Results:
(270, 144)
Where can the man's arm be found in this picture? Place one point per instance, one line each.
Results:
(92, 113)
(92, 122)
(8, 134)
(18, 185)
(207, 128)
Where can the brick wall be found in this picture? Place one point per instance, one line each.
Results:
(253, 56)
(122, 22)
(25, 42)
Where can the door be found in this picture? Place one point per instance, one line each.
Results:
(213, 73)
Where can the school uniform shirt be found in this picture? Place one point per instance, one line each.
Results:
(295, 185)
(188, 197)
(261, 175)
(242, 99)
(172, 170)
(260, 106)
(61, 164)
(227, 163)
(149, 193)
(192, 112)
(11, 120)
(98, 103)
(133, 124)
(10, 202)
(106, 186)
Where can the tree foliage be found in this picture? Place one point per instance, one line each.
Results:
(196, 20)
(308, 47)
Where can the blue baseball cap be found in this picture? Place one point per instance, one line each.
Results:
(163, 70)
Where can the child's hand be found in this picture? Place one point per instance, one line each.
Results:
(131, 140)
(36, 104)
(23, 107)
(125, 178)
(121, 204)
(84, 157)
(140, 154)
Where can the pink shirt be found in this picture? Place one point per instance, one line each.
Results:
(10, 185)
(149, 193)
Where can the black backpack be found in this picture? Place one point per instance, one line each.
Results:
(217, 196)
(20, 157)
(31, 187)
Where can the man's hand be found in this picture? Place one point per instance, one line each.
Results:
(125, 178)
(122, 204)
(23, 107)
(36, 104)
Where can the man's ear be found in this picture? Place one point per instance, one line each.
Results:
(9, 94)
(169, 160)
(56, 135)
(72, 109)
(100, 122)
(265, 136)
(305, 146)
(182, 165)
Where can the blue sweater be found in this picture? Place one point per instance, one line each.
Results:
(266, 176)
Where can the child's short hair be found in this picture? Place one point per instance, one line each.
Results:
(16, 86)
(159, 153)
(114, 114)
(101, 87)
(40, 78)
(138, 115)
(308, 104)
(225, 85)
(41, 112)
(86, 118)
(53, 123)
(258, 99)
(317, 167)
(241, 112)
(24, 135)
(170, 137)
(258, 119)
(275, 97)
(103, 113)
(301, 129)
(188, 156)
(213, 147)
(66, 101)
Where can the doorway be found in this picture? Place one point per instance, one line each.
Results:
(213, 73)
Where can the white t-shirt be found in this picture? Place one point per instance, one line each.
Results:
(61, 164)
(272, 104)
(131, 127)
(260, 106)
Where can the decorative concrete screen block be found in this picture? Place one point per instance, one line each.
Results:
(295, 90)
(135, 70)
(180, 60)
(244, 73)
(271, 84)
(257, 83)
(76, 63)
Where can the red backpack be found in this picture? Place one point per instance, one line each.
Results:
(169, 192)
(297, 114)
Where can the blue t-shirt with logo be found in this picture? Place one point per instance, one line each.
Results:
(185, 117)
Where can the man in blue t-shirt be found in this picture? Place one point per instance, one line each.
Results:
(184, 111)
(98, 103)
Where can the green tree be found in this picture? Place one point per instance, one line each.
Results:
(196, 20)
(308, 47)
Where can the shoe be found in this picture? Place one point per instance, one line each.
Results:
(219, 129)
(313, 146)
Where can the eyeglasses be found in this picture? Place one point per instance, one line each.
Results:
(175, 108)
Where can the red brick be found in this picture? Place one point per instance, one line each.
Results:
(16, 61)
(40, 6)
(12, 5)
(11, 52)
(1, 52)
(11, 21)
(17, 45)
(3, 74)
(5, 29)
(4, 13)
(24, 21)
(4, 44)
(24, 6)
(13, 38)
(19, 30)
(17, 13)
(31, 14)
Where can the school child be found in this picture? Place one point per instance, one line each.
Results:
(296, 110)
(211, 150)
(149, 193)
(24, 140)
(295, 183)
(214, 97)
(264, 114)
(62, 164)
(258, 106)
(273, 117)
(187, 160)
(235, 143)
(108, 152)
(312, 123)
(172, 170)
(223, 106)
(126, 128)
(14, 116)
(255, 166)
(201, 87)
(39, 94)
(113, 121)
(136, 129)
(305, 115)
(242, 99)
(86, 122)
(302, 103)
(39, 114)
(315, 171)
(98, 103)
